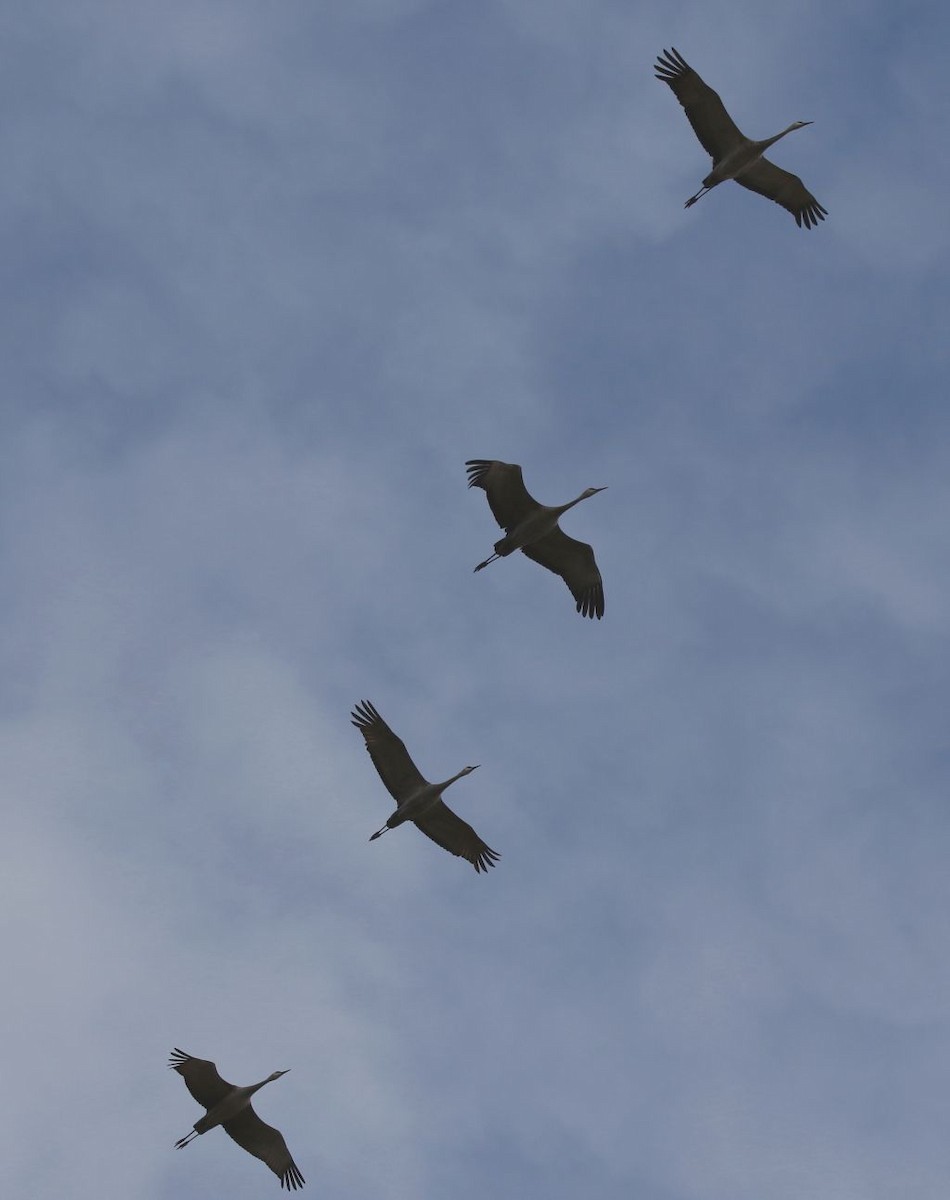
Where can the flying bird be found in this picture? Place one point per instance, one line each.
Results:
(418, 800)
(533, 529)
(734, 155)
(230, 1107)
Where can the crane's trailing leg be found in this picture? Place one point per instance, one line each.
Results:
(487, 561)
(699, 195)
(186, 1140)
(379, 833)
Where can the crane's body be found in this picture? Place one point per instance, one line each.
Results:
(230, 1107)
(734, 155)
(542, 520)
(236, 1100)
(418, 800)
(533, 529)
(739, 159)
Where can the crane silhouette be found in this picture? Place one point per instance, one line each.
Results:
(734, 155)
(533, 529)
(230, 1107)
(418, 800)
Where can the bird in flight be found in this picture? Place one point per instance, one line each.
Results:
(734, 155)
(230, 1107)
(533, 529)
(418, 800)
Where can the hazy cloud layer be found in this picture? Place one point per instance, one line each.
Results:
(272, 275)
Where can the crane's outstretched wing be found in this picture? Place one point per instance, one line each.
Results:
(449, 831)
(784, 188)
(716, 130)
(201, 1078)
(388, 752)
(574, 562)
(266, 1143)
(508, 498)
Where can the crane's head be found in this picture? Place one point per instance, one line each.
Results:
(276, 1075)
(592, 492)
(799, 124)
(469, 770)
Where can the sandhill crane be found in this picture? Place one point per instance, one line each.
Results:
(734, 155)
(418, 800)
(533, 529)
(230, 1107)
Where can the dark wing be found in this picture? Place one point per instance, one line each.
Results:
(449, 831)
(716, 130)
(784, 188)
(574, 562)
(508, 498)
(388, 752)
(201, 1078)
(266, 1143)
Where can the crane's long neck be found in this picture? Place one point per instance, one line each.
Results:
(448, 782)
(778, 137)
(562, 508)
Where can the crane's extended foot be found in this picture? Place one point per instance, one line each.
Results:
(692, 200)
(486, 562)
(379, 833)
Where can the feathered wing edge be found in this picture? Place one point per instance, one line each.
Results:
(201, 1078)
(784, 188)
(503, 484)
(265, 1142)
(388, 752)
(447, 829)
(575, 563)
(715, 130)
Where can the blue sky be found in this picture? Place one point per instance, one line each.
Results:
(272, 274)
